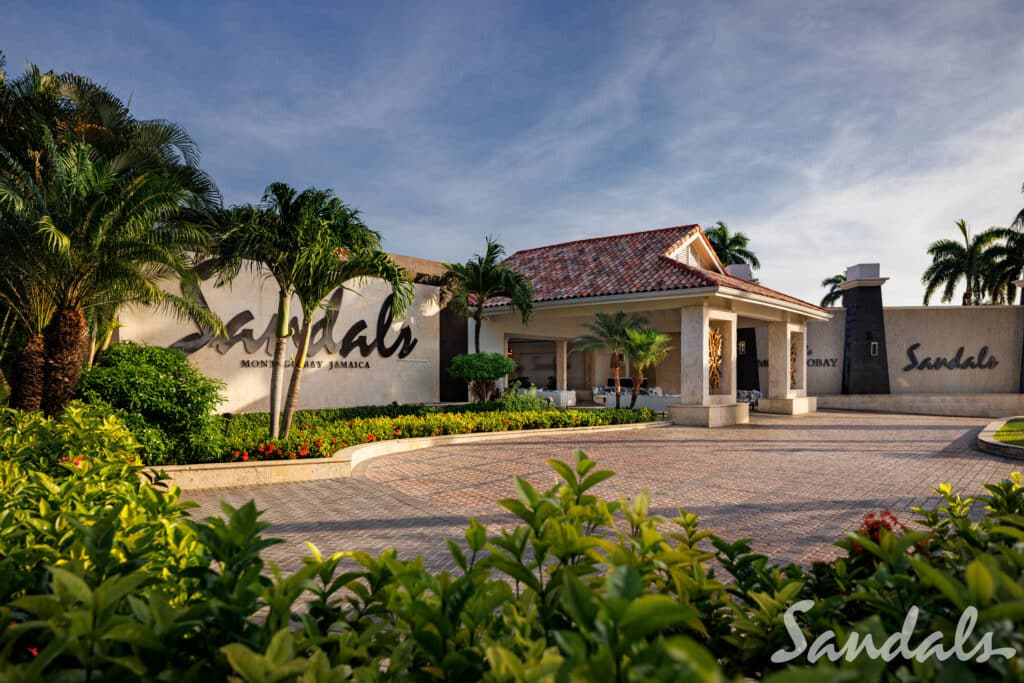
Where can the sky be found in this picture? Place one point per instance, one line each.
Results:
(831, 133)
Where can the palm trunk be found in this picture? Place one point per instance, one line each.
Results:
(27, 387)
(477, 317)
(617, 374)
(277, 369)
(66, 341)
(637, 381)
(296, 381)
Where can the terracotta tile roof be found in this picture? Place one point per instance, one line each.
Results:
(633, 263)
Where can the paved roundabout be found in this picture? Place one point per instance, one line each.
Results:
(792, 484)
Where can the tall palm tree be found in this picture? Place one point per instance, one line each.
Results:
(953, 261)
(607, 332)
(333, 247)
(731, 247)
(835, 290)
(1006, 261)
(471, 284)
(645, 348)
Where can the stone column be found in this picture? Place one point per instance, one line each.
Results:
(728, 386)
(693, 352)
(562, 365)
(778, 360)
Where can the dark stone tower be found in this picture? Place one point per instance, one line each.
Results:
(865, 364)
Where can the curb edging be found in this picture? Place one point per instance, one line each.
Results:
(348, 462)
(987, 440)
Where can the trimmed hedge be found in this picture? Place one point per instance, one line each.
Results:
(320, 437)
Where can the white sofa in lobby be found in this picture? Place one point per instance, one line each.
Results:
(562, 399)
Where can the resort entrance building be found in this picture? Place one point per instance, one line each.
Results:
(672, 279)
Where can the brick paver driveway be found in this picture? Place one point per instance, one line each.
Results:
(793, 485)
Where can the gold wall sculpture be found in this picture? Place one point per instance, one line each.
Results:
(792, 363)
(714, 358)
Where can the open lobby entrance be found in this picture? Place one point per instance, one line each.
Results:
(672, 279)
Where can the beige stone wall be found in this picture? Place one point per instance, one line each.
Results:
(825, 355)
(325, 383)
(940, 332)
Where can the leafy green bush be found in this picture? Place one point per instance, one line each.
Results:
(105, 578)
(517, 398)
(166, 401)
(482, 371)
(321, 439)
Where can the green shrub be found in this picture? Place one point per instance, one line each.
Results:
(163, 398)
(482, 371)
(516, 398)
(104, 578)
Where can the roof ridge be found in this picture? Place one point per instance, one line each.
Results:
(608, 237)
(736, 282)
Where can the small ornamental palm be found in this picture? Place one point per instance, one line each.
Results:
(953, 261)
(835, 290)
(645, 348)
(608, 333)
(471, 284)
(731, 247)
(264, 238)
(334, 247)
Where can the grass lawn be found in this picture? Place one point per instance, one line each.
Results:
(1012, 433)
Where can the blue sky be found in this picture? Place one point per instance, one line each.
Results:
(830, 133)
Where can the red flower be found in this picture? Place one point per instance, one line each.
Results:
(398, 432)
(34, 651)
(371, 437)
(305, 444)
(271, 447)
(245, 457)
(235, 453)
(873, 523)
(318, 444)
(245, 453)
(292, 455)
(303, 451)
(334, 440)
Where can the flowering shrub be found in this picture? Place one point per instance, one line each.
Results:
(105, 578)
(321, 439)
(874, 524)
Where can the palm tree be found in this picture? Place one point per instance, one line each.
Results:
(645, 348)
(731, 247)
(1006, 262)
(333, 247)
(471, 284)
(62, 135)
(953, 261)
(835, 290)
(102, 238)
(264, 238)
(608, 333)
